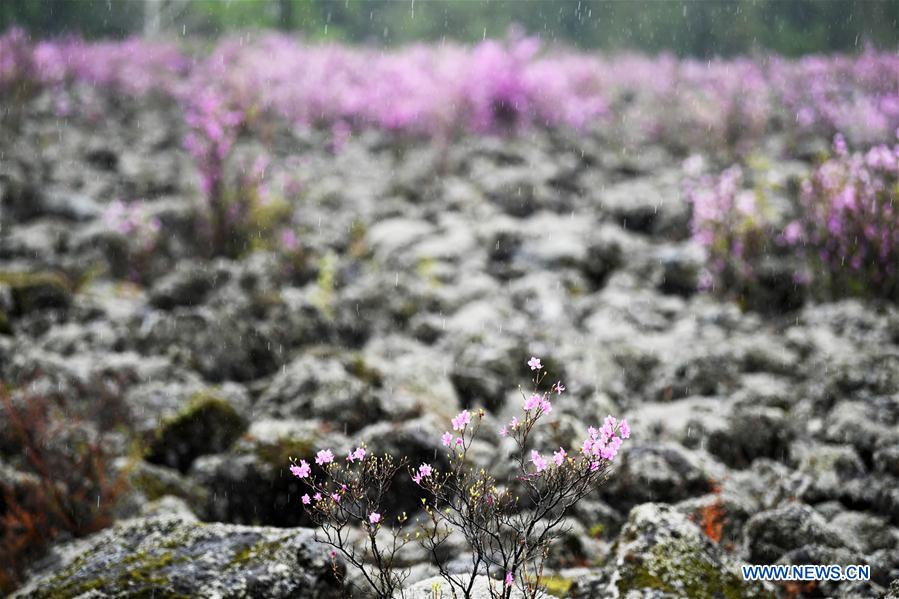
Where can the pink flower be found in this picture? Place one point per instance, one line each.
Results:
(558, 387)
(545, 406)
(416, 478)
(462, 420)
(510, 580)
(594, 466)
(534, 363)
(374, 517)
(504, 431)
(425, 470)
(332, 553)
(624, 430)
(513, 424)
(357, 455)
(447, 439)
(537, 459)
(532, 402)
(559, 456)
(459, 441)
(317, 497)
(335, 497)
(305, 499)
(324, 457)
(301, 471)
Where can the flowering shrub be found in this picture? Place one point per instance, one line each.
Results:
(213, 130)
(849, 222)
(721, 105)
(508, 524)
(140, 231)
(730, 224)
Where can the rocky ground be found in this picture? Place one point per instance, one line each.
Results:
(430, 275)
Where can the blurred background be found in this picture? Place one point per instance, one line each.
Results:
(703, 29)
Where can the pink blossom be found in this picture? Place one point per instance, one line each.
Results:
(425, 470)
(510, 580)
(624, 430)
(532, 402)
(324, 457)
(374, 517)
(305, 499)
(538, 460)
(558, 387)
(301, 471)
(461, 420)
(357, 455)
(559, 456)
(534, 363)
(317, 497)
(335, 497)
(504, 431)
(447, 439)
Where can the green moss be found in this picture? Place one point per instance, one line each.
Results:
(207, 424)
(556, 585)
(262, 551)
(141, 575)
(324, 293)
(681, 569)
(37, 290)
(361, 370)
(279, 453)
(596, 530)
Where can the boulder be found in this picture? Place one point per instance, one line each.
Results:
(661, 550)
(175, 557)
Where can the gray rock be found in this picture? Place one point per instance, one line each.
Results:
(187, 285)
(771, 534)
(172, 556)
(750, 433)
(656, 472)
(311, 387)
(436, 586)
(660, 549)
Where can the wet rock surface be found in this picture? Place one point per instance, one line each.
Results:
(424, 291)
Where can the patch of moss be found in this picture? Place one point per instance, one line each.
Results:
(596, 530)
(261, 551)
(279, 453)
(361, 370)
(681, 569)
(325, 285)
(207, 424)
(556, 585)
(37, 290)
(141, 575)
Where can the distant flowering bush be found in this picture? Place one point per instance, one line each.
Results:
(494, 86)
(508, 524)
(138, 228)
(848, 225)
(730, 223)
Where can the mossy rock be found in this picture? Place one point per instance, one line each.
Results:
(661, 549)
(207, 424)
(173, 558)
(156, 482)
(37, 290)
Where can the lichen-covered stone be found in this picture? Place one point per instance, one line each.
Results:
(771, 534)
(207, 424)
(173, 557)
(661, 549)
(37, 290)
